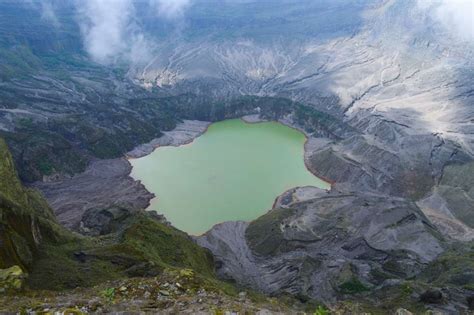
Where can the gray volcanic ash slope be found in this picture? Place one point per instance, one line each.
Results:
(393, 71)
(383, 89)
(403, 81)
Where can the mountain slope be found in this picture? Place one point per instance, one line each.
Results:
(137, 244)
(26, 220)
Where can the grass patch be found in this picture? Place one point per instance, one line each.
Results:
(353, 286)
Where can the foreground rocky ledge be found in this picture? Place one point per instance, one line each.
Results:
(172, 292)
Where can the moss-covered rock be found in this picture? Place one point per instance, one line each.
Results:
(11, 279)
(455, 267)
(26, 221)
(142, 247)
(353, 286)
(264, 234)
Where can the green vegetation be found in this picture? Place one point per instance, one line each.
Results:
(182, 288)
(353, 286)
(167, 246)
(455, 267)
(25, 218)
(321, 310)
(17, 62)
(109, 294)
(320, 123)
(57, 259)
(11, 279)
(143, 247)
(264, 234)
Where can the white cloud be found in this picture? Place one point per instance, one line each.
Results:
(140, 49)
(109, 28)
(170, 8)
(46, 7)
(110, 32)
(104, 25)
(48, 13)
(456, 16)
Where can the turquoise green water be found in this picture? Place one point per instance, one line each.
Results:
(234, 171)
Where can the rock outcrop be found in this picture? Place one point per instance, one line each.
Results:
(313, 245)
(104, 185)
(170, 292)
(12, 279)
(185, 132)
(26, 221)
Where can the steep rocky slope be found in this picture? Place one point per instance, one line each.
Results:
(312, 246)
(337, 245)
(26, 220)
(381, 87)
(135, 245)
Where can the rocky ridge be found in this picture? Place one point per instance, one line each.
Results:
(313, 245)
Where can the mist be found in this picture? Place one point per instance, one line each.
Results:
(47, 10)
(111, 30)
(455, 16)
(170, 9)
(104, 26)
(111, 33)
(48, 13)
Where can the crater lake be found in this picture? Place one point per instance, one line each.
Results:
(234, 171)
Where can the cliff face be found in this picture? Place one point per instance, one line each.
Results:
(26, 221)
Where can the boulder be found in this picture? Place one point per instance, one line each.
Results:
(11, 279)
(431, 297)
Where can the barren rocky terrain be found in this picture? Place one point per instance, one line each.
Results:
(381, 88)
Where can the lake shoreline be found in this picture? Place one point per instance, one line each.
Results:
(148, 148)
(134, 194)
(143, 170)
(184, 133)
(255, 119)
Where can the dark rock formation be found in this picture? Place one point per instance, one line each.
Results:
(470, 302)
(101, 222)
(431, 297)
